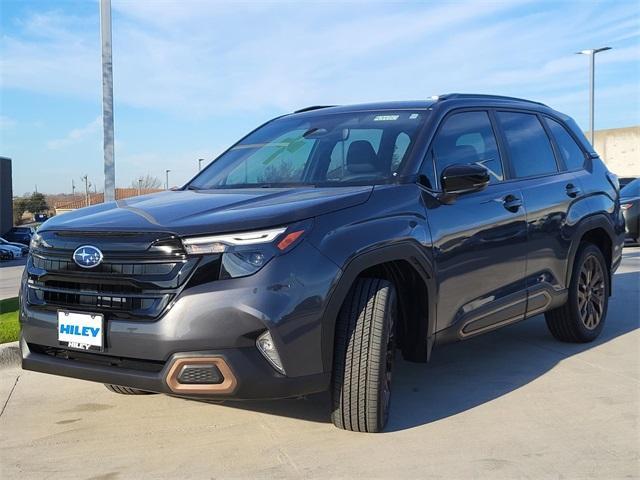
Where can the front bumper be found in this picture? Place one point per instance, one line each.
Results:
(254, 378)
(219, 319)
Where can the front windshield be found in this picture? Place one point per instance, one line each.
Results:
(334, 149)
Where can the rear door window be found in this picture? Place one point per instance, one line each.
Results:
(530, 151)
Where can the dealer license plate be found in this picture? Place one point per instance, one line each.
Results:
(82, 331)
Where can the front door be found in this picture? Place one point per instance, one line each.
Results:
(479, 240)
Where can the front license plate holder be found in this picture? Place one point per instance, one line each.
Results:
(81, 331)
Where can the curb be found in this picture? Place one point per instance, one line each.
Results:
(10, 355)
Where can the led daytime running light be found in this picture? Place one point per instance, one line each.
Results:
(220, 243)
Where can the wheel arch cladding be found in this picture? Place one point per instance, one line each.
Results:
(399, 263)
(597, 230)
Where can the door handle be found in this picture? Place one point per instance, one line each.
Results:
(511, 203)
(572, 190)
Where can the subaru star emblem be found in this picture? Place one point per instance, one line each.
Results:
(87, 256)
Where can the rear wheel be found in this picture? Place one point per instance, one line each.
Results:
(126, 390)
(582, 318)
(364, 355)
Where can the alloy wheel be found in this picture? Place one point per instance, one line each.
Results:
(591, 293)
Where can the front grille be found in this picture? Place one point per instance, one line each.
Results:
(98, 358)
(139, 276)
(142, 306)
(59, 265)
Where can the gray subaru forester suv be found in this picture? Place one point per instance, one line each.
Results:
(309, 252)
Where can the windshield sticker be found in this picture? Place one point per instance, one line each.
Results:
(385, 118)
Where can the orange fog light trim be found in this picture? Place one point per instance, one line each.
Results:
(227, 386)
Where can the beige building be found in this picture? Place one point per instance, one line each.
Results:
(620, 149)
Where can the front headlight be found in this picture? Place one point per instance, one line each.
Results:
(37, 241)
(245, 253)
(224, 243)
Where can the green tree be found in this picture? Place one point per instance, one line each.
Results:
(36, 203)
(19, 207)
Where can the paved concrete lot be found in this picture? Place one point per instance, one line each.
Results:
(10, 273)
(514, 403)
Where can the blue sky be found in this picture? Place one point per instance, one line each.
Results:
(190, 77)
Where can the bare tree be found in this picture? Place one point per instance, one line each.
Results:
(281, 172)
(146, 182)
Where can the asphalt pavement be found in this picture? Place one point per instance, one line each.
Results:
(10, 273)
(514, 403)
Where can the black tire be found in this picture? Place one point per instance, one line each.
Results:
(126, 390)
(363, 356)
(573, 322)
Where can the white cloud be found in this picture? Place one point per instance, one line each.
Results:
(207, 59)
(77, 135)
(212, 57)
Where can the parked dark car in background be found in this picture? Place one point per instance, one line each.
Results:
(630, 205)
(624, 181)
(20, 234)
(24, 249)
(303, 256)
(5, 253)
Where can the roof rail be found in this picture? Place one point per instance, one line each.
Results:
(451, 96)
(313, 107)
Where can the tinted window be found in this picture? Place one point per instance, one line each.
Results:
(467, 138)
(530, 151)
(569, 149)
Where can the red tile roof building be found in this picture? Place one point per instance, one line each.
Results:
(94, 198)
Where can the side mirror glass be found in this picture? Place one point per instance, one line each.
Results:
(464, 178)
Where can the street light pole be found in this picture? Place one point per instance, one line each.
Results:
(166, 172)
(107, 101)
(592, 78)
(139, 186)
(86, 190)
(200, 160)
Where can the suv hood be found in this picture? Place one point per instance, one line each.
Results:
(189, 212)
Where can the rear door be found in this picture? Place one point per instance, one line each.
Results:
(480, 239)
(549, 190)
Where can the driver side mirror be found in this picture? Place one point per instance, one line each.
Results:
(461, 178)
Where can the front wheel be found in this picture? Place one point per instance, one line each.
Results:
(364, 354)
(581, 319)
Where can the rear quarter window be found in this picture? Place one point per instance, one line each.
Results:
(572, 154)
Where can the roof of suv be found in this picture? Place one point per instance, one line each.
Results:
(456, 98)
(451, 100)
